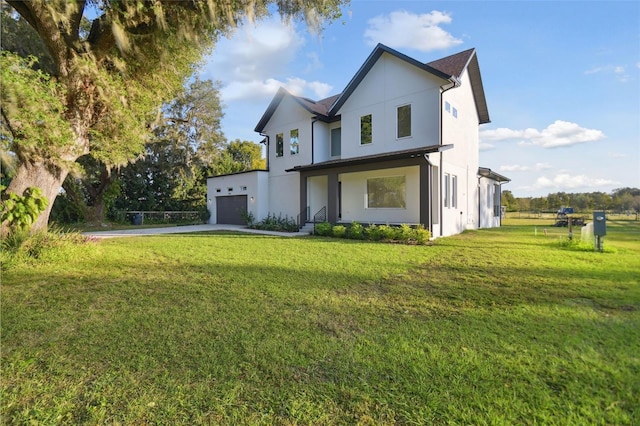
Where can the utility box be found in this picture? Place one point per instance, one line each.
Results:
(599, 224)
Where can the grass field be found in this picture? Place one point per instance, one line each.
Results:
(503, 326)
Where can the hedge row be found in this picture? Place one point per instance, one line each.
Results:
(387, 233)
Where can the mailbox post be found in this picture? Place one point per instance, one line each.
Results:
(599, 229)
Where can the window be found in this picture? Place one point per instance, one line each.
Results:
(386, 192)
(293, 142)
(279, 144)
(404, 121)
(455, 113)
(446, 189)
(243, 188)
(496, 200)
(435, 191)
(454, 191)
(365, 130)
(336, 142)
(447, 106)
(230, 189)
(218, 190)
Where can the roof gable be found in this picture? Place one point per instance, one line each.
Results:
(450, 68)
(368, 64)
(455, 65)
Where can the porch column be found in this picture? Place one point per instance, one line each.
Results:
(332, 197)
(303, 199)
(425, 195)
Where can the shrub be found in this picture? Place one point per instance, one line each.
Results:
(387, 232)
(355, 231)
(276, 223)
(373, 233)
(21, 211)
(323, 229)
(421, 235)
(404, 233)
(339, 231)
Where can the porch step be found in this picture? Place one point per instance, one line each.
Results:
(307, 228)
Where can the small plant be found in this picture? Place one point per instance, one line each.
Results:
(421, 235)
(355, 231)
(276, 223)
(21, 211)
(339, 231)
(323, 229)
(373, 232)
(248, 218)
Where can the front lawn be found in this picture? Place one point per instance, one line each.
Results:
(504, 326)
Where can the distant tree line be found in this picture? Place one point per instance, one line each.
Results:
(619, 200)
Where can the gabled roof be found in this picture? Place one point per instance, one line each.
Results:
(455, 65)
(319, 108)
(488, 173)
(368, 64)
(449, 68)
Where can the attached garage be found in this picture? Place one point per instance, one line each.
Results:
(230, 208)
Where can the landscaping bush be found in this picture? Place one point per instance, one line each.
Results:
(355, 231)
(373, 233)
(276, 223)
(421, 235)
(339, 231)
(323, 229)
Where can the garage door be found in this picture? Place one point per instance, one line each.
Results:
(229, 210)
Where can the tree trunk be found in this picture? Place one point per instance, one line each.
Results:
(46, 177)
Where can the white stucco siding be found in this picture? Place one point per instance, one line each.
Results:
(252, 184)
(462, 130)
(354, 197)
(321, 142)
(284, 194)
(317, 194)
(288, 116)
(389, 84)
(489, 198)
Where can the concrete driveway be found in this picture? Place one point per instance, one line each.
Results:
(133, 232)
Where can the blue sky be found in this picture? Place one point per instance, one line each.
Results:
(562, 78)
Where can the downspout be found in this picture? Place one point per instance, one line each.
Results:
(313, 140)
(479, 202)
(454, 83)
(430, 192)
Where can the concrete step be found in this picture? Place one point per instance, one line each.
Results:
(307, 228)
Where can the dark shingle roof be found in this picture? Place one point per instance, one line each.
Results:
(453, 65)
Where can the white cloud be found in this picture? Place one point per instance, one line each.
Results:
(616, 155)
(520, 168)
(566, 181)
(618, 71)
(559, 133)
(254, 63)
(406, 30)
(486, 146)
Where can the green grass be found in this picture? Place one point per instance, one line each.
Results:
(502, 326)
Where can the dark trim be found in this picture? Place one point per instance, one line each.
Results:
(488, 173)
(351, 163)
(237, 173)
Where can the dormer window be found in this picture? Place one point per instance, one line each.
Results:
(404, 121)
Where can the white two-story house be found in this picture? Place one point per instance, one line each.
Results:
(399, 145)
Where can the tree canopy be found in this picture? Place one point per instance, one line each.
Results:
(106, 68)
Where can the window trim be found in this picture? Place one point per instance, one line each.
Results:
(279, 144)
(370, 139)
(293, 144)
(331, 144)
(404, 195)
(398, 122)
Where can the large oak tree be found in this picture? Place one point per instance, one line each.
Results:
(113, 63)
